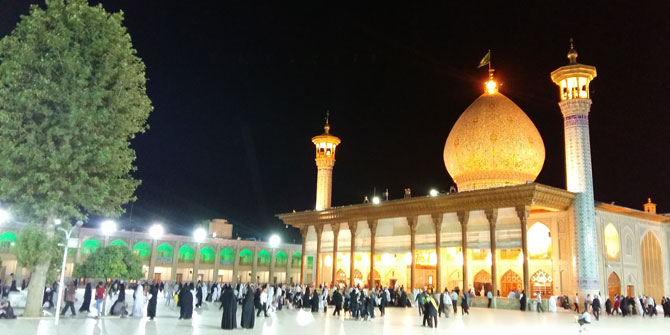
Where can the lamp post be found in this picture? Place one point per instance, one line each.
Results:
(275, 240)
(4, 216)
(57, 222)
(156, 232)
(199, 235)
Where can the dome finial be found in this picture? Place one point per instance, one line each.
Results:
(490, 85)
(327, 126)
(572, 54)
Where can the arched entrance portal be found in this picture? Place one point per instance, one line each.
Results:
(543, 283)
(613, 285)
(482, 281)
(652, 266)
(510, 282)
(377, 277)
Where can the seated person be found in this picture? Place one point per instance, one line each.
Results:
(6, 310)
(583, 319)
(119, 309)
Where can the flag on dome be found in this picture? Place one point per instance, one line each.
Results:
(486, 60)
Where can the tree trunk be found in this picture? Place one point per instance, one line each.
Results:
(36, 290)
(38, 279)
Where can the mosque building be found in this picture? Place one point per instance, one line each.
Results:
(500, 231)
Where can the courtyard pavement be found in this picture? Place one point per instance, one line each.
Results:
(207, 320)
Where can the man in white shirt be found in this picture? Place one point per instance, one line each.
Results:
(576, 302)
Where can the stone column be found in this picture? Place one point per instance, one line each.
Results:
(317, 261)
(254, 266)
(196, 263)
(352, 227)
(152, 260)
(523, 212)
(303, 233)
(272, 267)
(77, 258)
(236, 265)
(217, 263)
(175, 261)
(437, 222)
(412, 221)
(463, 217)
(336, 232)
(373, 232)
(289, 259)
(492, 217)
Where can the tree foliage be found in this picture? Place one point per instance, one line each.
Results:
(34, 247)
(114, 261)
(72, 95)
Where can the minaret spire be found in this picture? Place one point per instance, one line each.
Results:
(325, 161)
(573, 81)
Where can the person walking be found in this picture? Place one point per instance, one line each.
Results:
(539, 303)
(464, 304)
(454, 301)
(576, 302)
(337, 300)
(430, 312)
(69, 297)
(153, 300)
(490, 296)
(88, 292)
(595, 307)
(99, 296)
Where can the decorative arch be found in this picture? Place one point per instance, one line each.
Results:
(296, 259)
(8, 239)
(227, 256)
(207, 255)
(119, 242)
(652, 266)
(90, 246)
(263, 258)
(539, 241)
(246, 257)
(280, 258)
(481, 281)
(186, 254)
(143, 250)
(165, 252)
(612, 243)
(613, 285)
(358, 275)
(541, 282)
(628, 244)
(341, 276)
(509, 282)
(377, 277)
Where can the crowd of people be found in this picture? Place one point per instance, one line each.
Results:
(354, 302)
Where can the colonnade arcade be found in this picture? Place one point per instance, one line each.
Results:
(179, 259)
(482, 243)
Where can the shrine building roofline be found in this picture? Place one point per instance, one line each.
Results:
(538, 197)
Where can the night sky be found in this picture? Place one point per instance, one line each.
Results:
(239, 88)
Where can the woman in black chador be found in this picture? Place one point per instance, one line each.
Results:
(315, 302)
(151, 307)
(87, 299)
(522, 301)
(229, 303)
(248, 316)
(186, 302)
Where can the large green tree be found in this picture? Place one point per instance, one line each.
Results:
(72, 96)
(114, 262)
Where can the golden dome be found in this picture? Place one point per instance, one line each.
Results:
(493, 144)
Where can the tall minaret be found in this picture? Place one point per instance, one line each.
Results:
(325, 160)
(573, 81)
